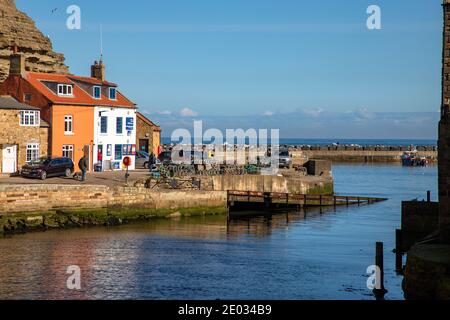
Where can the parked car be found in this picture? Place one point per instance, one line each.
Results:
(285, 160)
(165, 157)
(46, 167)
(142, 159)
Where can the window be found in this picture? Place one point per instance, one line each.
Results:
(65, 90)
(130, 126)
(112, 93)
(97, 92)
(119, 125)
(27, 97)
(68, 124)
(67, 151)
(32, 151)
(29, 118)
(118, 152)
(103, 124)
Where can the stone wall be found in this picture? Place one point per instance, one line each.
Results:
(444, 132)
(419, 219)
(355, 154)
(18, 27)
(427, 273)
(276, 184)
(444, 173)
(14, 134)
(319, 168)
(44, 198)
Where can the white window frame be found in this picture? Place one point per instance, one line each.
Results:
(68, 92)
(115, 91)
(93, 92)
(32, 152)
(121, 132)
(107, 125)
(30, 118)
(68, 149)
(68, 119)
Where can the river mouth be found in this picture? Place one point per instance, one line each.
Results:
(286, 256)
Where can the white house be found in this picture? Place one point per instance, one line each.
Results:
(114, 137)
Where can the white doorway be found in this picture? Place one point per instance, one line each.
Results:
(9, 164)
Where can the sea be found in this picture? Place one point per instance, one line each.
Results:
(326, 142)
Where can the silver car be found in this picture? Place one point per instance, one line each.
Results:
(142, 160)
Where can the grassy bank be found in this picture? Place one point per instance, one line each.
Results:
(325, 189)
(67, 219)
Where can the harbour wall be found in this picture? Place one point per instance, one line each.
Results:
(213, 193)
(275, 184)
(352, 154)
(43, 198)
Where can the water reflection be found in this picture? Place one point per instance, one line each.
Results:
(263, 225)
(296, 255)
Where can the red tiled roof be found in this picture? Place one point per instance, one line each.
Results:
(92, 81)
(80, 97)
(147, 120)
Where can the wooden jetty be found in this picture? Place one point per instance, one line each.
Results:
(243, 200)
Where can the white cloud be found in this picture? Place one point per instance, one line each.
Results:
(315, 112)
(164, 112)
(186, 112)
(364, 114)
(268, 113)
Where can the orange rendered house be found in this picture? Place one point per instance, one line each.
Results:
(67, 103)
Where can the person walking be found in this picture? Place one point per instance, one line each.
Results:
(83, 165)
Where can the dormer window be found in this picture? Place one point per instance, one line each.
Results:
(65, 90)
(97, 92)
(112, 93)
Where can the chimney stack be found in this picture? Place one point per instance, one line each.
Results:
(98, 71)
(17, 62)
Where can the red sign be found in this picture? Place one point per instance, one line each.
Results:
(127, 161)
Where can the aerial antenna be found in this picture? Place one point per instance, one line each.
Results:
(101, 42)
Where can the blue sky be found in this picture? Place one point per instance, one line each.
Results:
(220, 60)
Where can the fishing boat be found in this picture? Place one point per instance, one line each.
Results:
(411, 159)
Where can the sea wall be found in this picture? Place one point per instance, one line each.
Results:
(427, 273)
(419, 219)
(276, 184)
(355, 154)
(43, 198)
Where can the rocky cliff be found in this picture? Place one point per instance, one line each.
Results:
(16, 26)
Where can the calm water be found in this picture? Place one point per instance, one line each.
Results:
(322, 256)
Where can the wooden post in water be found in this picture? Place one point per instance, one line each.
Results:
(398, 251)
(428, 196)
(267, 200)
(379, 290)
